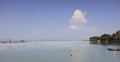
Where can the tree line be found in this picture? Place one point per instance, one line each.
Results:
(107, 37)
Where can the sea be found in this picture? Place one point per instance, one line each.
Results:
(58, 51)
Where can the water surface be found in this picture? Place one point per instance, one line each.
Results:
(57, 51)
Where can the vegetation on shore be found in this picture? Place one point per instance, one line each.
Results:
(12, 41)
(115, 37)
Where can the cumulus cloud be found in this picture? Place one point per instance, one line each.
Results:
(73, 27)
(77, 20)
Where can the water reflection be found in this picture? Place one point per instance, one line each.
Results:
(105, 44)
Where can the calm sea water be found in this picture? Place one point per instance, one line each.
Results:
(57, 51)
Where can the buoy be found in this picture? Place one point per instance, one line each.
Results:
(70, 54)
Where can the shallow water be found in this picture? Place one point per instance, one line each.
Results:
(57, 51)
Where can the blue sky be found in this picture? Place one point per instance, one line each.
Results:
(50, 19)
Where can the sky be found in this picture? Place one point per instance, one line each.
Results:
(58, 19)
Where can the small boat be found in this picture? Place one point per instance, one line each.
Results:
(114, 49)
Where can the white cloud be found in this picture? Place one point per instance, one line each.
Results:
(74, 27)
(77, 20)
(93, 30)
